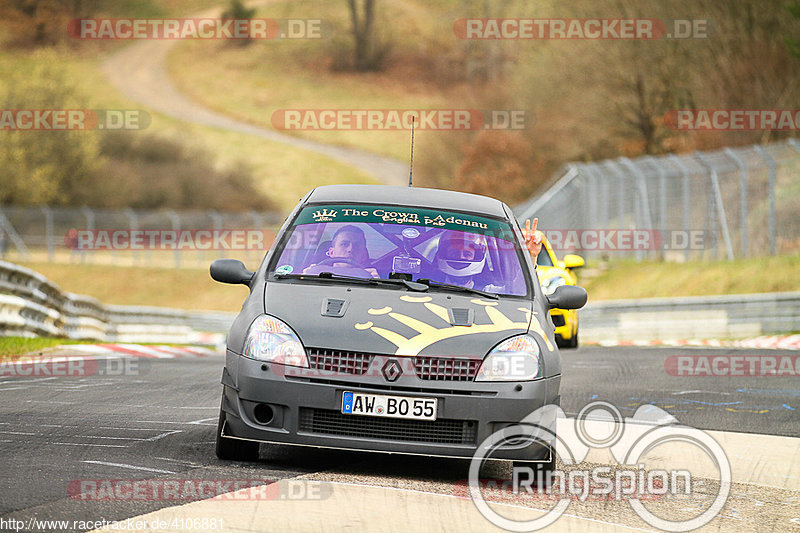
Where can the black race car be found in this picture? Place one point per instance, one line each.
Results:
(390, 319)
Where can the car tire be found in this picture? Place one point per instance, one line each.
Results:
(560, 342)
(573, 342)
(234, 449)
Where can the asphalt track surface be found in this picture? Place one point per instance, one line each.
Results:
(161, 423)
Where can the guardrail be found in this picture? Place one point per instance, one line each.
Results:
(695, 317)
(31, 305)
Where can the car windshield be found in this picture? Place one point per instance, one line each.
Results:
(369, 241)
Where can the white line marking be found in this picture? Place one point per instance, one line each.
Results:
(129, 429)
(162, 435)
(31, 380)
(16, 433)
(99, 437)
(177, 461)
(202, 421)
(130, 467)
(95, 445)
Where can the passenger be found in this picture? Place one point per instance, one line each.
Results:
(461, 256)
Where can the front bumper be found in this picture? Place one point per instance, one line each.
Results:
(305, 410)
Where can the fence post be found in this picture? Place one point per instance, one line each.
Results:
(133, 222)
(742, 196)
(258, 224)
(89, 215)
(719, 206)
(176, 226)
(662, 198)
(216, 221)
(549, 193)
(617, 171)
(771, 163)
(11, 233)
(686, 203)
(644, 202)
(48, 233)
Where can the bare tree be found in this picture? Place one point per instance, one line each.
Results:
(362, 17)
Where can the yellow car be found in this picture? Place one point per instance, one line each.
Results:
(552, 274)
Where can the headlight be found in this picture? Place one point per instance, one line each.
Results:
(270, 339)
(514, 359)
(549, 286)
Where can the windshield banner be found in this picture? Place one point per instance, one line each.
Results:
(402, 215)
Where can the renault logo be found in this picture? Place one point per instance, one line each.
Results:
(392, 370)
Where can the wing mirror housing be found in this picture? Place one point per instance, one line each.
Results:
(568, 297)
(573, 261)
(231, 271)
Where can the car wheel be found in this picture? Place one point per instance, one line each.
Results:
(560, 342)
(234, 449)
(573, 342)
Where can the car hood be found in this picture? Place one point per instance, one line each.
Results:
(380, 320)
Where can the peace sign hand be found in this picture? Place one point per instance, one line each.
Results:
(533, 237)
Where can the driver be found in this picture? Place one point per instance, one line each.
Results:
(349, 243)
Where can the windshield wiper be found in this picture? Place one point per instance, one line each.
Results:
(431, 283)
(411, 285)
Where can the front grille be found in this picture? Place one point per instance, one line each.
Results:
(339, 361)
(426, 368)
(446, 368)
(442, 431)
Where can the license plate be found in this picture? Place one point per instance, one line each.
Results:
(356, 403)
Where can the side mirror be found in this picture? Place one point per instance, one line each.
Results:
(573, 261)
(230, 271)
(568, 297)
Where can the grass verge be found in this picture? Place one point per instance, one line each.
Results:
(13, 347)
(161, 287)
(629, 279)
(250, 83)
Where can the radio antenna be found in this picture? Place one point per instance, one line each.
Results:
(411, 164)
